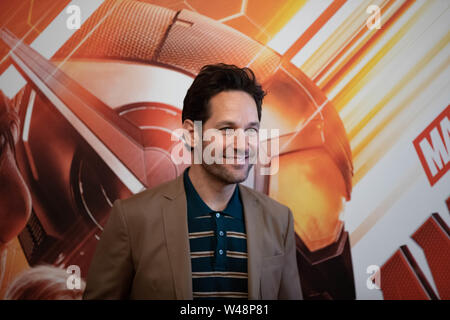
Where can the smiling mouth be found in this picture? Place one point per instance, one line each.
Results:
(240, 158)
(238, 162)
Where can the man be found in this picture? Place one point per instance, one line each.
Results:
(203, 235)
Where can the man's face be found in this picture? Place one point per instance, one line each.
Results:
(234, 110)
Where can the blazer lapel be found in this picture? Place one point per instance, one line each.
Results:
(254, 228)
(177, 238)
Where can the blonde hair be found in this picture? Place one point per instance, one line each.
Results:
(44, 282)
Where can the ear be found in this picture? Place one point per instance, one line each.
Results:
(189, 134)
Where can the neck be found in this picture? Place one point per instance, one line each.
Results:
(214, 192)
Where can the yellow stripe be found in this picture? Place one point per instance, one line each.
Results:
(236, 254)
(195, 235)
(234, 234)
(364, 161)
(201, 254)
(356, 84)
(229, 274)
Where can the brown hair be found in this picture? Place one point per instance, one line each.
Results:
(213, 79)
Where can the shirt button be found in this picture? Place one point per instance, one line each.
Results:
(221, 233)
(220, 251)
(217, 215)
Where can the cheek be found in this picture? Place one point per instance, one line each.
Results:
(217, 144)
(253, 143)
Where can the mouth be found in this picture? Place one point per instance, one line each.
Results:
(237, 162)
(237, 158)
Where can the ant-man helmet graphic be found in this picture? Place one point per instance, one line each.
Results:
(97, 119)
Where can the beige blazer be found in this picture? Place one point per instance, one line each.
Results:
(143, 252)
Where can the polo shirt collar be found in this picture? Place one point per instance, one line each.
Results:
(197, 207)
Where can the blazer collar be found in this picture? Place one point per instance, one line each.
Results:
(177, 237)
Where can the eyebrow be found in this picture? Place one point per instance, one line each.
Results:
(232, 123)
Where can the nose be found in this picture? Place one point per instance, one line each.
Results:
(241, 143)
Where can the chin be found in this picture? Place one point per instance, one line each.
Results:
(229, 173)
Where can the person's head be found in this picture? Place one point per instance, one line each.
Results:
(43, 282)
(225, 97)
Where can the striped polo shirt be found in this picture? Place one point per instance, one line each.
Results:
(218, 245)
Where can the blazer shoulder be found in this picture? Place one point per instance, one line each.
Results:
(152, 195)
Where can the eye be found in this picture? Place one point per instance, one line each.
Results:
(251, 131)
(227, 130)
